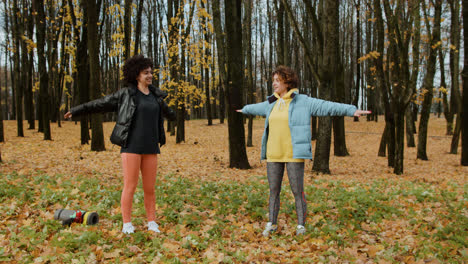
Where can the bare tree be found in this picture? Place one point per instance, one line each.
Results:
(455, 100)
(464, 112)
(220, 47)
(248, 6)
(38, 6)
(127, 28)
(235, 79)
(434, 36)
(18, 45)
(97, 137)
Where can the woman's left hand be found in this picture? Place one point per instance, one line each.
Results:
(361, 112)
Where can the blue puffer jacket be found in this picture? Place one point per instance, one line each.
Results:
(301, 109)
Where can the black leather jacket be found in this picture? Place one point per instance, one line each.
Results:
(123, 102)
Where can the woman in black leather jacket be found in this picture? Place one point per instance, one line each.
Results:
(139, 130)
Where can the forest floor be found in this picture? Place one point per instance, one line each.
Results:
(360, 213)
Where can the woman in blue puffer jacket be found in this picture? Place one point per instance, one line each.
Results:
(287, 137)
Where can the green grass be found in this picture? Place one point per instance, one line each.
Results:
(437, 218)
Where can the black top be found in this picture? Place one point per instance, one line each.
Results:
(143, 133)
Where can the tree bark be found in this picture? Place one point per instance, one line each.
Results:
(328, 83)
(19, 73)
(237, 150)
(388, 136)
(358, 55)
(220, 47)
(127, 28)
(456, 136)
(181, 107)
(412, 111)
(83, 76)
(29, 103)
(209, 114)
(43, 75)
(464, 112)
(138, 27)
(429, 80)
(97, 136)
(248, 54)
(383, 142)
(456, 98)
(280, 49)
(2, 132)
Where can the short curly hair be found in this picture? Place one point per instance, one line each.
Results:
(133, 66)
(287, 75)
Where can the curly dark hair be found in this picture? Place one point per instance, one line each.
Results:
(133, 66)
(287, 75)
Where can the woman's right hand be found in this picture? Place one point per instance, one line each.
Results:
(67, 115)
(239, 110)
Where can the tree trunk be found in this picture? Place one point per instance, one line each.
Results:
(127, 28)
(388, 136)
(138, 28)
(83, 77)
(280, 52)
(220, 47)
(429, 80)
(413, 109)
(270, 51)
(383, 142)
(181, 107)
(410, 143)
(399, 141)
(248, 54)
(358, 55)
(237, 150)
(43, 75)
(19, 73)
(13, 90)
(330, 69)
(2, 132)
(339, 135)
(97, 137)
(209, 115)
(28, 95)
(6, 73)
(448, 114)
(464, 112)
(456, 136)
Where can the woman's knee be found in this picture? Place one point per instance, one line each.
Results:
(148, 190)
(130, 187)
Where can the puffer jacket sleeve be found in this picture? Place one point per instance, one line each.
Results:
(108, 103)
(259, 109)
(318, 107)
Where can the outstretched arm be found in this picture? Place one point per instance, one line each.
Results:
(254, 109)
(319, 107)
(106, 104)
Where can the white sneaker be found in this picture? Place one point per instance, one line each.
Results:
(128, 228)
(269, 228)
(300, 230)
(152, 226)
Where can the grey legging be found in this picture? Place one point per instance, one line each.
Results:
(275, 171)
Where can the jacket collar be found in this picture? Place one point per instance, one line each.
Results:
(272, 98)
(156, 91)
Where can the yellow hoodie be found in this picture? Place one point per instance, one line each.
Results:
(279, 146)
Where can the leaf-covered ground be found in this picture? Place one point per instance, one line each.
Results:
(361, 213)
